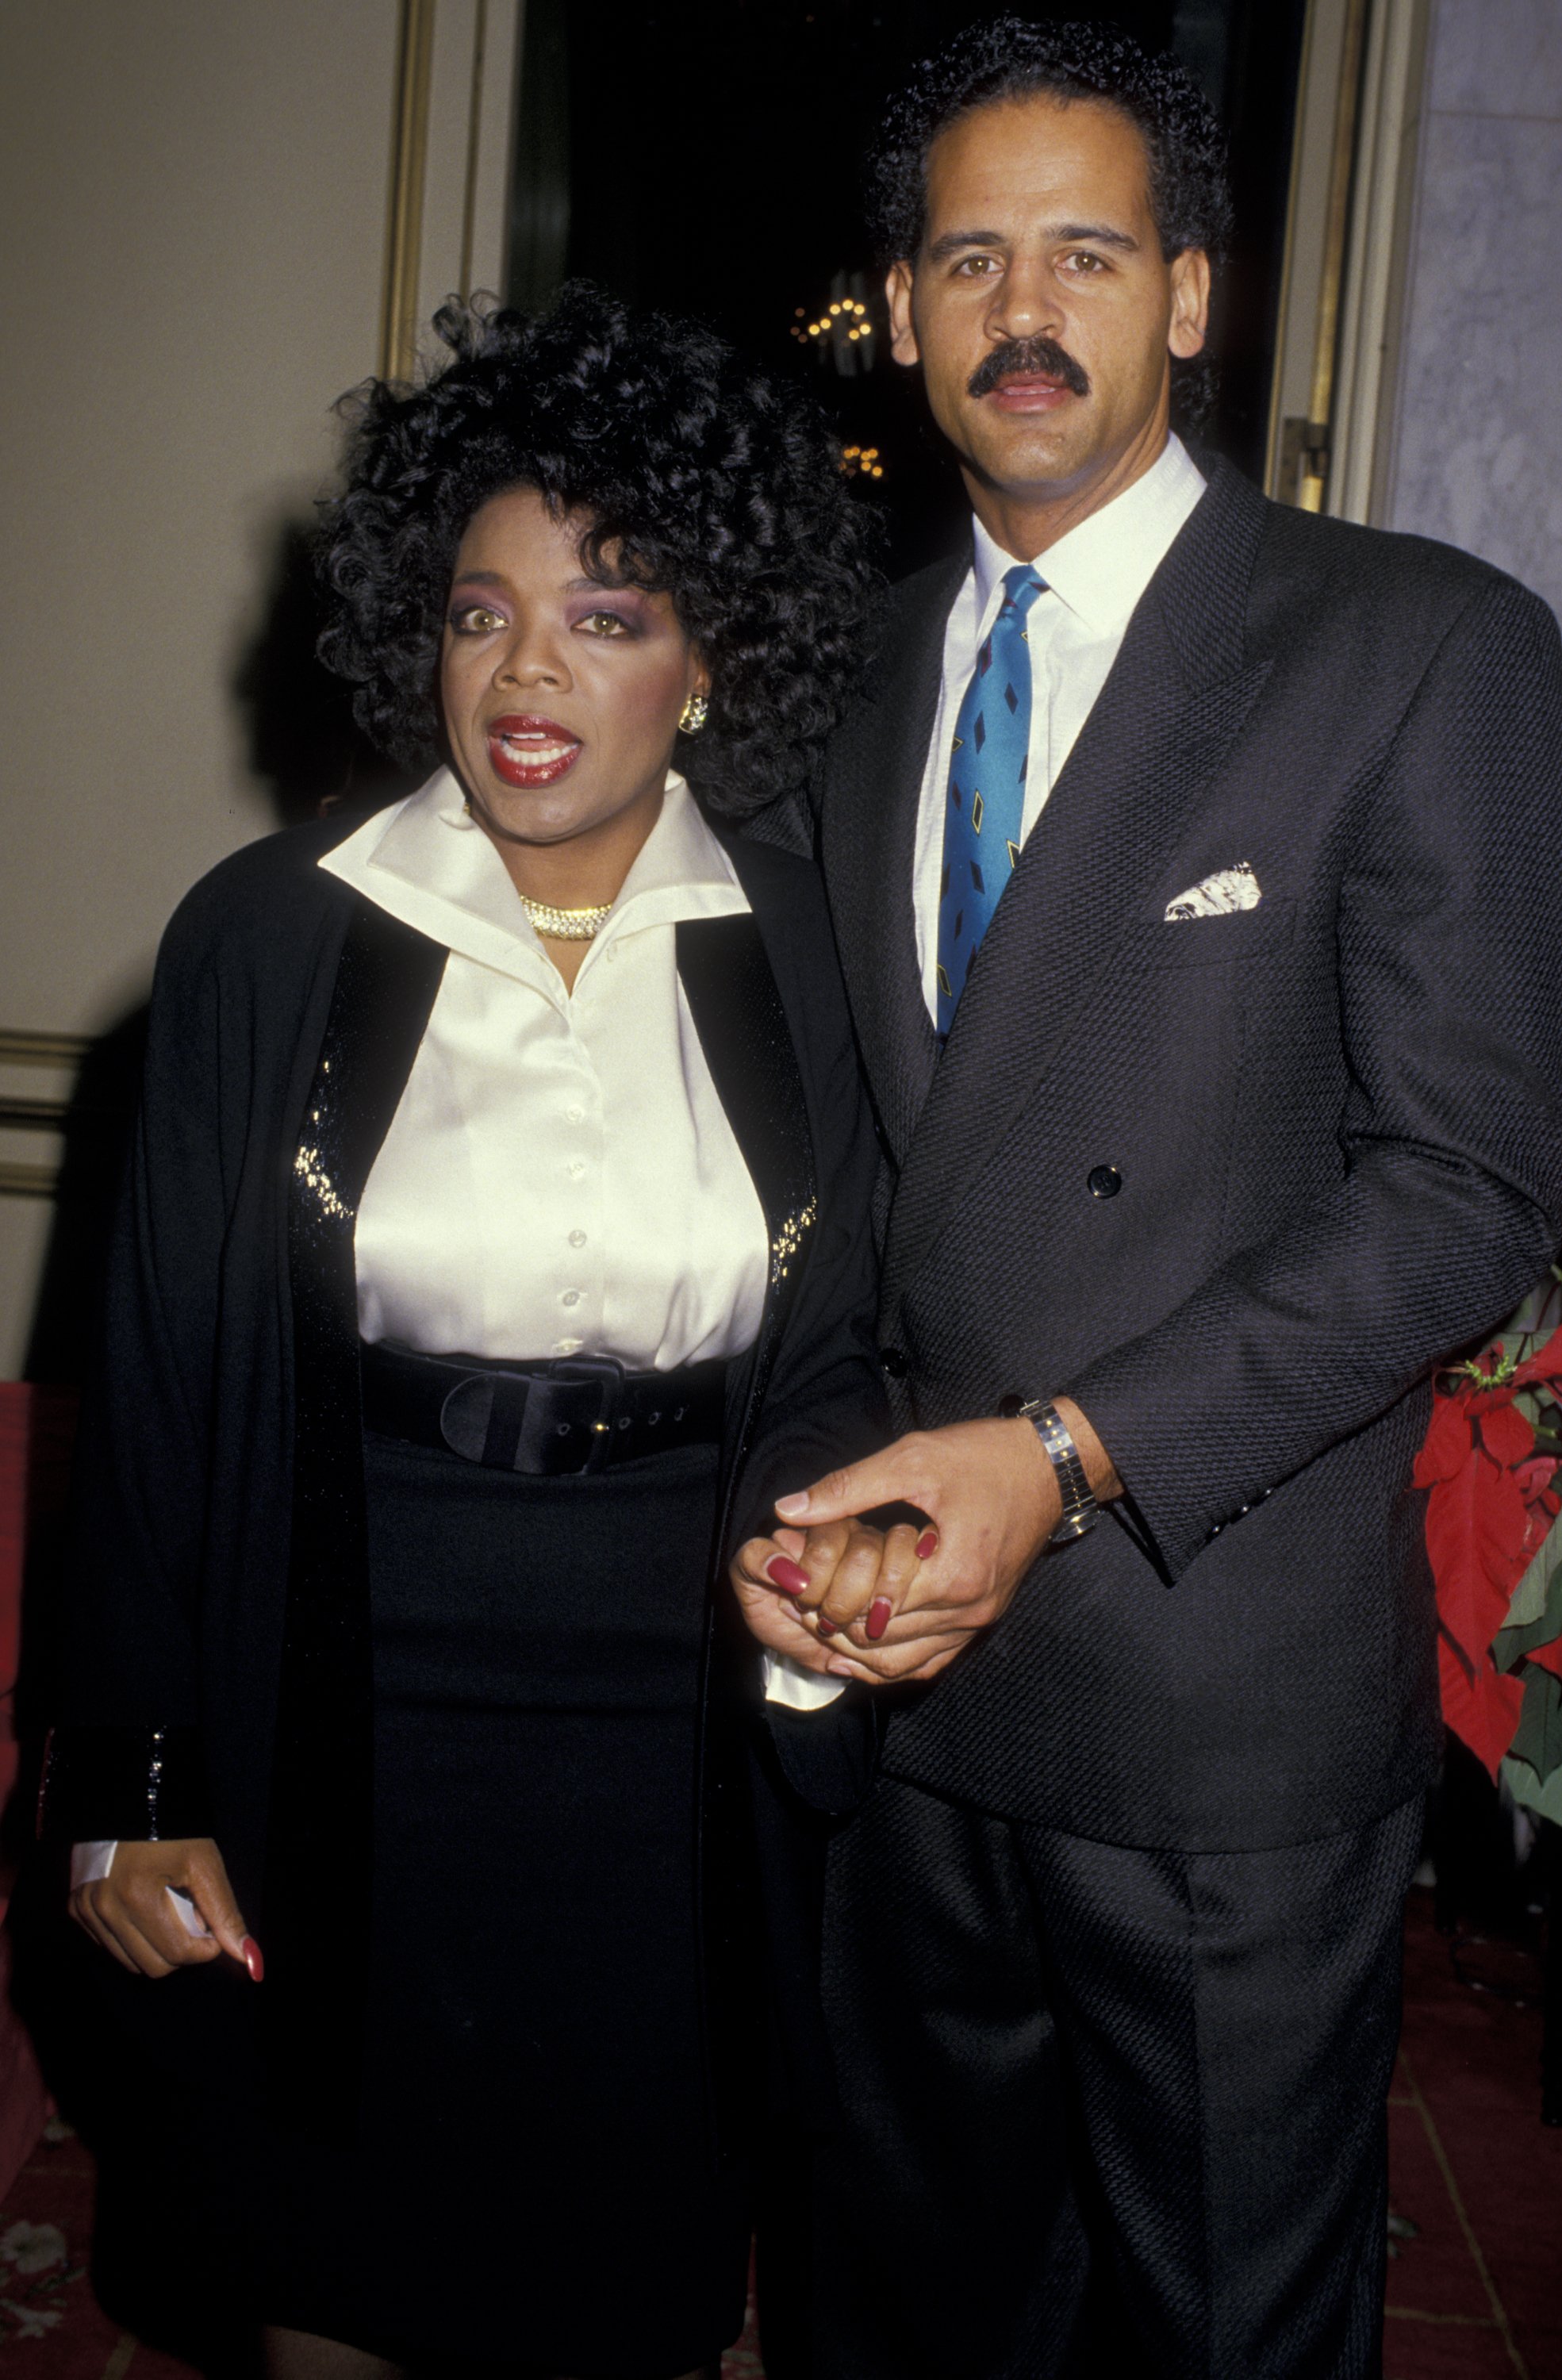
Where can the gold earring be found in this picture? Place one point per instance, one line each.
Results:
(695, 712)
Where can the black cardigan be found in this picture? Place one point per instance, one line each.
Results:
(217, 1677)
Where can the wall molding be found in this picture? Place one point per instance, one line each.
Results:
(403, 228)
(59, 1052)
(1347, 239)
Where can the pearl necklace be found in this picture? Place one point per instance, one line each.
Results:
(567, 925)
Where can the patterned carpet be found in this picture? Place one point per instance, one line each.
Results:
(1474, 2294)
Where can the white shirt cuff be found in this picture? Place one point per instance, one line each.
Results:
(788, 1681)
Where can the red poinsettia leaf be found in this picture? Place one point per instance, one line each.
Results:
(1476, 1542)
(1483, 1711)
(1545, 1364)
(1535, 1476)
(1506, 1435)
(1547, 1656)
(1446, 1448)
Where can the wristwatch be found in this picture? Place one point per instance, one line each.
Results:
(1081, 1512)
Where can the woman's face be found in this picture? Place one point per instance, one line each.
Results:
(561, 697)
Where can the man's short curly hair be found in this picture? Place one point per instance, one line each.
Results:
(1013, 57)
(690, 473)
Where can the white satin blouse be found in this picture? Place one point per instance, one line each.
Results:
(560, 1176)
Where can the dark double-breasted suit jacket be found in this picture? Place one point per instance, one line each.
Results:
(1329, 1129)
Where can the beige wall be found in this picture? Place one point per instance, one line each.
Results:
(195, 202)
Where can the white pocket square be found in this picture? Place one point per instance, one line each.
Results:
(1228, 889)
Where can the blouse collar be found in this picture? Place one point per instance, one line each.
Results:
(428, 863)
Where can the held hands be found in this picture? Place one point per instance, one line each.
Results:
(802, 1589)
(130, 1913)
(993, 1499)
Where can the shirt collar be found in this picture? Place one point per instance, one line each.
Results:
(428, 862)
(1102, 567)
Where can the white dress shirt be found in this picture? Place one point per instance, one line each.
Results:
(560, 1175)
(1095, 578)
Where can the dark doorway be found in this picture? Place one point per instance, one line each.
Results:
(702, 155)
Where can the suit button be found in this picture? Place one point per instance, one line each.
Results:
(894, 1363)
(1103, 1181)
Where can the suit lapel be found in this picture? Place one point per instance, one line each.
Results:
(747, 1044)
(869, 845)
(1176, 697)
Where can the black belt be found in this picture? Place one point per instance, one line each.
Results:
(575, 1413)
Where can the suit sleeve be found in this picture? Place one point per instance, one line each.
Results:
(1449, 1206)
(130, 1688)
(825, 1405)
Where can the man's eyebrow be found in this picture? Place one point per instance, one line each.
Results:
(1108, 233)
(949, 243)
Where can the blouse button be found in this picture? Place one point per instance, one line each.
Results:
(576, 1168)
(577, 1239)
(570, 1297)
(573, 1115)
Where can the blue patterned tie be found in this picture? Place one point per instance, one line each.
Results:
(986, 788)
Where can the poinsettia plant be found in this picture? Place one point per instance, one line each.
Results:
(1493, 1536)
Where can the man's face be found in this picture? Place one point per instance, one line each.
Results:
(1040, 306)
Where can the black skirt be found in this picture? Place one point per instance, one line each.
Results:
(536, 2177)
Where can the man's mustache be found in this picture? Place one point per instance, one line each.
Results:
(1027, 357)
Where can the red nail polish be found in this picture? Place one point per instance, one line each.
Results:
(783, 1572)
(877, 1619)
(927, 1544)
(827, 1627)
(249, 1950)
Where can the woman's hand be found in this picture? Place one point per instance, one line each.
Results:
(800, 1590)
(130, 1913)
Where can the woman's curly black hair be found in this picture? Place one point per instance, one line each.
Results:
(1013, 57)
(690, 473)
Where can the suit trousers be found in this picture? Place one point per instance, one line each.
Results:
(1105, 2110)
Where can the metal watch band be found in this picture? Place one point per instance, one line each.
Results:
(1081, 1512)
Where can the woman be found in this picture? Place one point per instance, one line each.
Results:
(495, 1250)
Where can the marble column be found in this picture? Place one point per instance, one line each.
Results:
(1478, 449)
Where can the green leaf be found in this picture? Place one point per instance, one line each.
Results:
(1545, 1800)
(1536, 1603)
(1540, 1313)
(1537, 1739)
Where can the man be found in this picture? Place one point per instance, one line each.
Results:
(1191, 864)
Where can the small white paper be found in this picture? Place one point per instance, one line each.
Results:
(188, 1914)
(788, 1681)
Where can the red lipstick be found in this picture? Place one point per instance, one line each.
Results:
(524, 749)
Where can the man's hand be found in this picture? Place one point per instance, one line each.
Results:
(129, 1913)
(829, 1578)
(993, 1497)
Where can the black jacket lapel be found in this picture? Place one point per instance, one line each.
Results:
(316, 1903)
(1176, 697)
(748, 1043)
(872, 791)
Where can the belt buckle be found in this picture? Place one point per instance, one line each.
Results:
(610, 1374)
